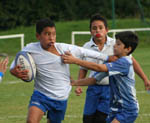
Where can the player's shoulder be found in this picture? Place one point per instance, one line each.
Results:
(111, 41)
(62, 45)
(127, 59)
(124, 61)
(32, 46)
(87, 44)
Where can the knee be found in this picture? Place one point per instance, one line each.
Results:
(31, 121)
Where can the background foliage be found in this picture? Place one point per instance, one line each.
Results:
(25, 12)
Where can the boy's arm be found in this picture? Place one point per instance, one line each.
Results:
(138, 70)
(82, 74)
(95, 79)
(17, 72)
(99, 76)
(81, 52)
(69, 59)
(84, 82)
(3, 67)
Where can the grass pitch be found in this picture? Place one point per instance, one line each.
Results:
(15, 94)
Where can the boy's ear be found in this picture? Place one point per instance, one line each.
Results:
(128, 50)
(107, 29)
(37, 36)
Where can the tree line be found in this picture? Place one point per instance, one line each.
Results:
(14, 13)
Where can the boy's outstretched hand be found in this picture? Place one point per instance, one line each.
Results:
(112, 58)
(3, 65)
(68, 58)
(78, 91)
(147, 85)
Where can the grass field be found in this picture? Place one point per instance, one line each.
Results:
(15, 94)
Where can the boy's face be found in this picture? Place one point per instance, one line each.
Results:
(120, 50)
(98, 27)
(47, 37)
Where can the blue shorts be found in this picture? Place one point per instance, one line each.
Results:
(55, 109)
(122, 117)
(97, 98)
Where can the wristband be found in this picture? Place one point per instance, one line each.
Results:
(1, 74)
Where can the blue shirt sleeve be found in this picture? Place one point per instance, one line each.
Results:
(121, 66)
(99, 76)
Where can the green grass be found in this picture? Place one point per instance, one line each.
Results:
(15, 94)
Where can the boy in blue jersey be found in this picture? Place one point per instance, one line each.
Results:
(124, 107)
(52, 82)
(3, 67)
(96, 105)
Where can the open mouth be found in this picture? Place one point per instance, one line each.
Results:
(50, 43)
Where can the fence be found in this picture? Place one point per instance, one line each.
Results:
(15, 36)
(110, 31)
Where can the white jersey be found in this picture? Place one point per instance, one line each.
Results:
(107, 49)
(52, 75)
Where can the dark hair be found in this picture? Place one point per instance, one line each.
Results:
(41, 24)
(129, 39)
(97, 16)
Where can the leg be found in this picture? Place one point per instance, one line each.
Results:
(88, 118)
(54, 116)
(56, 113)
(100, 117)
(48, 121)
(115, 121)
(34, 115)
(91, 103)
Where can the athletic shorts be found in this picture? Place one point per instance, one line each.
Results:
(55, 109)
(97, 98)
(122, 117)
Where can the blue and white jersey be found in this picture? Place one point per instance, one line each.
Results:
(52, 75)
(122, 84)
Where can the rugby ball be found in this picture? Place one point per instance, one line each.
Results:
(26, 62)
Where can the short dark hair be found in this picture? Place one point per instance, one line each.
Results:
(97, 16)
(129, 39)
(42, 23)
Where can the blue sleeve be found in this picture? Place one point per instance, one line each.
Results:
(99, 76)
(121, 66)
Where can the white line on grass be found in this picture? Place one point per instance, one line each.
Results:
(12, 82)
(140, 92)
(68, 116)
(79, 116)
(73, 116)
(16, 82)
(146, 115)
(13, 117)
